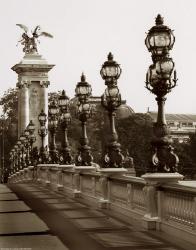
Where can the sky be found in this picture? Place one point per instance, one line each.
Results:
(85, 31)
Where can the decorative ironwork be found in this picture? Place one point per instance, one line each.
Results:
(111, 100)
(53, 123)
(84, 112)
(160, 79)
(65, 120)
(43, 156)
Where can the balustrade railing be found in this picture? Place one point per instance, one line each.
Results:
(175, 203)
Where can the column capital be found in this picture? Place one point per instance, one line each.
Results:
(44, 84)
(23, 84)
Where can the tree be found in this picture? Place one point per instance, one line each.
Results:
(187, 157)
(135, 132)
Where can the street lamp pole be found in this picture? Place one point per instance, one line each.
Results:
(22, 139)
(42, 117)
(160, 79)
(65, 119)
(84, 112)
(53, 123)
(32, 139)
(111, 100)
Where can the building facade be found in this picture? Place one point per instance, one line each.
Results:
(180, 125)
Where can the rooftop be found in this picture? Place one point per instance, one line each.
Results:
(175, 117)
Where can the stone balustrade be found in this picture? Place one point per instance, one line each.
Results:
(175, 203)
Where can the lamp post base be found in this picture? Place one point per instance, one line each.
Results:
(153, 181)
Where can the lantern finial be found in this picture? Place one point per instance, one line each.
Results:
(110, 57)
(159, 20)
(83, 77)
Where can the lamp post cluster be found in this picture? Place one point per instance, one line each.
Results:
(58, 113)
(21, 154)
(160, 79)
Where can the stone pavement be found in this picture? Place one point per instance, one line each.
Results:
(34, 217)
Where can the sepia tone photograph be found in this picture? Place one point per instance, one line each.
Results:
(97, 125)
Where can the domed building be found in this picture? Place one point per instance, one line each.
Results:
(123, 111)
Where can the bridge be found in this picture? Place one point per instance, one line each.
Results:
(56, 201)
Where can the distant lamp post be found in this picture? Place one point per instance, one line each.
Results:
(2, 160)
(53, 124)
(65, 120)
(32, 139)
(19, 144)
(84, 112)
(160, 79)
(22, 146)
(27, 147)
(111, 100)
(16, 158)
(42, 117)
(12, 161)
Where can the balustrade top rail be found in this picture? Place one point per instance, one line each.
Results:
(179, 187)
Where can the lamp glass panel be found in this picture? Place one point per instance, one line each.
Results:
(83, 90)
(86, 107)
(66, 115)
(112, 92)
(42, 117)
(53, 110)
(63, 102)
(159, 39)
(164, 67)
(110, 71)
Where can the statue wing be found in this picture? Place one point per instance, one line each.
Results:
(36, 29)
(22, 26)
(46, 34)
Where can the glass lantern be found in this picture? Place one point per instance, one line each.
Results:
(164, 68)
(31, 127)
(63, 101)
(42, 118)
(83, 89)
(53, 108)
(159, 38)
(110, 71)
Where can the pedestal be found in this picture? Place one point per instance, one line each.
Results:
(32, 91)
(104, 201)
(60, 175)
(76, 178)
(153, 181)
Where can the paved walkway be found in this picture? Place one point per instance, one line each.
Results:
(33, 217)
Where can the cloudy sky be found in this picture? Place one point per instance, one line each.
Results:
(86, 30)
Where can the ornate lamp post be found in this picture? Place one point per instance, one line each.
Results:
(32, 139)
(53, 123)
(22, 146)
(19, 155)
(65, 119)
(42, 133)
(12, 160)
(16, 158)
(111, 100)
(83, 92)
(27, 146)
(160, 79)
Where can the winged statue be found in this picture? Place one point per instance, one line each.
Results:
(30, 41)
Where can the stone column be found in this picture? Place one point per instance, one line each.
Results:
(19, 119)
(33, 69)
(44, 102)
(24, 106)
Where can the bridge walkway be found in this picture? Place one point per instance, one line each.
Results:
(35, 217)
